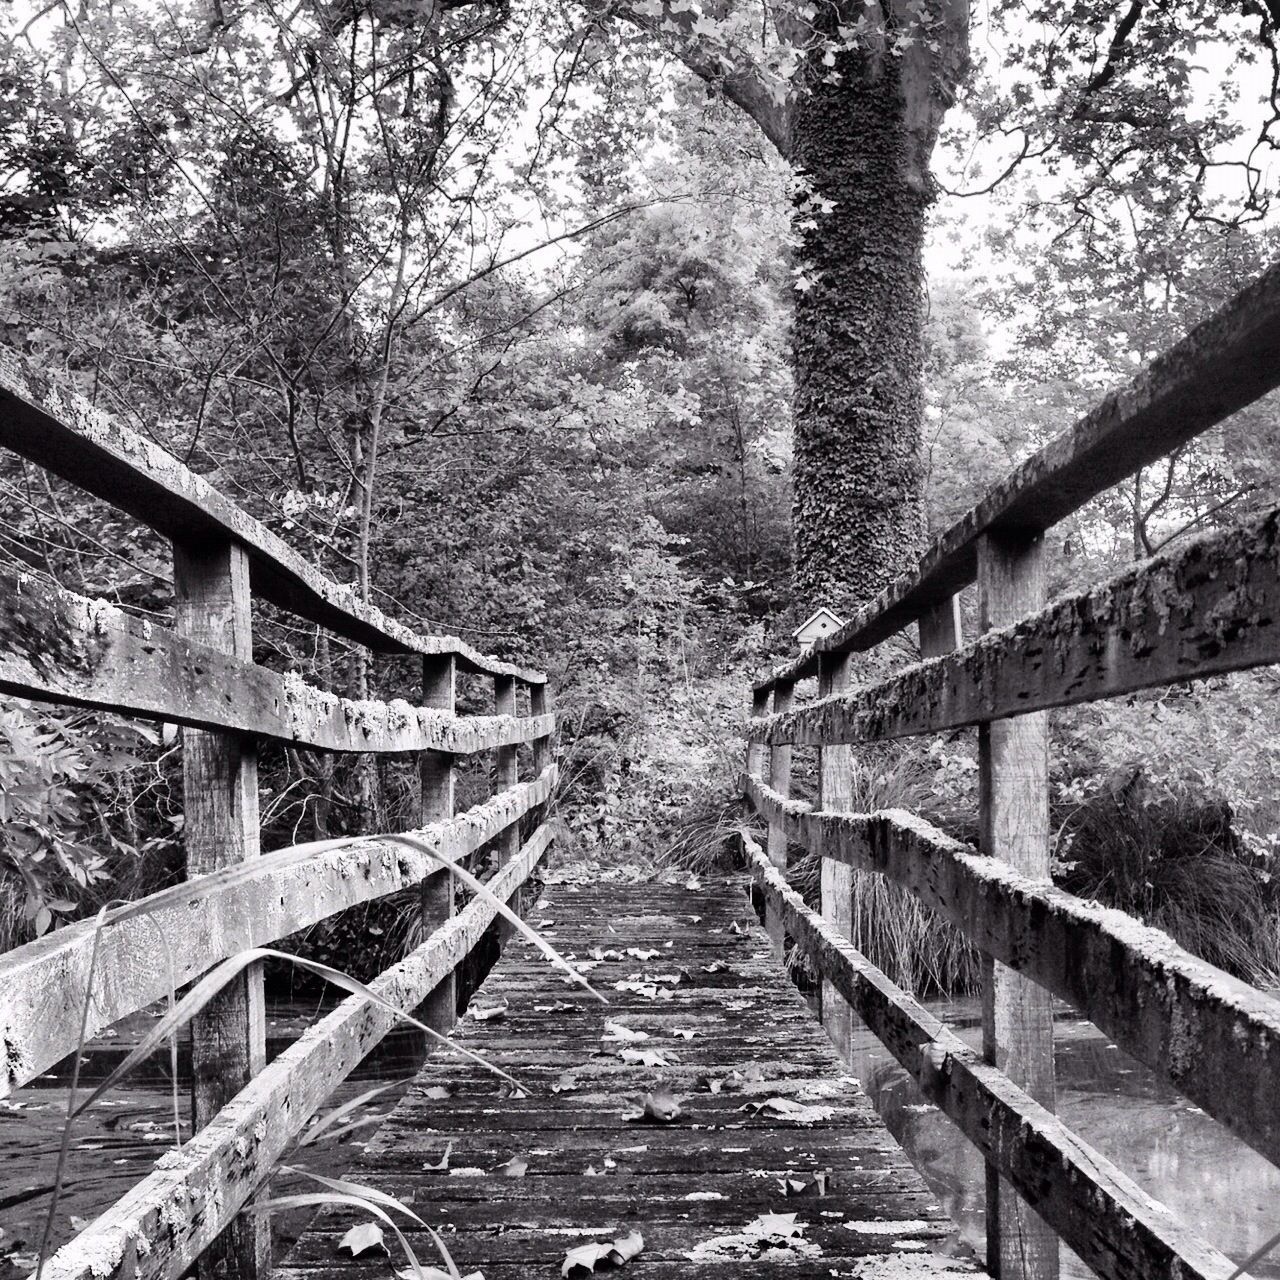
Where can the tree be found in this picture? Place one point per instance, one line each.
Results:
(852, 96)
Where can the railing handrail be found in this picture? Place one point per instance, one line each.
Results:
(1223, 364)
(47, 423)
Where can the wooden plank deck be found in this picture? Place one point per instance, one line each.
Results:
(697, 1188)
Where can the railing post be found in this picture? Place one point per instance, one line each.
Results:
(780, 781)
(756, 750)
(940, 629)
(835, 795)
(506, 771)
(220, 803)
(1017, 1015)
(539, 705)
(437, 774)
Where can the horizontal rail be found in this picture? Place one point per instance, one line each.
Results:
(50, 425)
(42, 984)
(1221, 366)
(1214, 1038)
(60, 647)
(1210, 607)
(1115, 1227)
(159, 1227)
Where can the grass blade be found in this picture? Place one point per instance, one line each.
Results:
(338, 1114)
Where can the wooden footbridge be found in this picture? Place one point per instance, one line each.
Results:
(700, 1110)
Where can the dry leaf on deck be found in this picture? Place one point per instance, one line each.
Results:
(586, 1258)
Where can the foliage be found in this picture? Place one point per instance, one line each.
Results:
(68, 811)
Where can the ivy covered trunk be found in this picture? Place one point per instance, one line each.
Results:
(858, 506)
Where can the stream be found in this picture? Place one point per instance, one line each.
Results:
(1219, 1187)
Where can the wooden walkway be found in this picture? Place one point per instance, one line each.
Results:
(711, 1192)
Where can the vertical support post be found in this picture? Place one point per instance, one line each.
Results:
(779, 781)
(539, 705)
(506, 766)
(437, 774)
(756, 750)
(220, 801)
(940, 629)
(835, 795)
(1017, 1015)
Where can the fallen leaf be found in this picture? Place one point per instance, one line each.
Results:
(615, 1253)
(437, 1093)
(735, 927)
(683, 1033)
(434, 1273)
(443, 1162)
(640, 953)
(620, 1031)
(514, 1168)
(716, 966)
(489, 1013)
(659, 1107)
(644, 1057)
(365, 1235)
(785, 1109)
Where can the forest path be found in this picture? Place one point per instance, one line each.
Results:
(705, 1190)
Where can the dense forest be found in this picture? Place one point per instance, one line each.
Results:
(516, 318)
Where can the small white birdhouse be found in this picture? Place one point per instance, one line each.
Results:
(822, 622)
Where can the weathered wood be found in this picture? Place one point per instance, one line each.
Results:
(835, 795)
(756, 750)
(1223, 364)
(163, 1224)
(43, 420)
(213, 607)
(1208, 607)
(941, 630)
(436, 776)
(42, 984)
(506, 767)
(1115, 1227)
(539, 709)
(60, 647)
(1013, 817)
(1212, 1037)
(780, 778)
(681, 1184)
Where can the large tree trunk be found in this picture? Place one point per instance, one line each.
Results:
(858, 504)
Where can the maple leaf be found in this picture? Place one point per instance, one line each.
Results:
(514, 1168)
(363, 1236)
(584, 1259)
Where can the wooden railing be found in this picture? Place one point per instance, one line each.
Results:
(1212, 605)
(60, 647)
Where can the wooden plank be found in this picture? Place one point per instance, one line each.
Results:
(835, 795)
(780, 778)
(165, 1222)
(1013, 807)
(756, 750)
(43, 420)
(1212, 1037)
(437, 778)
(56, 646)
(1115, 1227)
(42, 984)
(681, 1184)
(1222, 365)
(1209, 607)
(213, 607)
